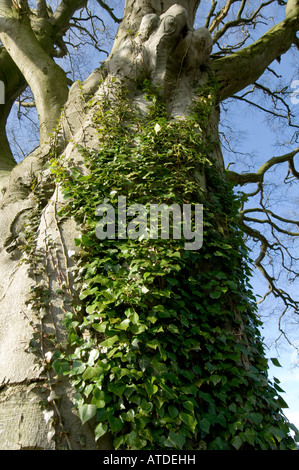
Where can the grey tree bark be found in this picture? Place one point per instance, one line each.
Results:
(175, 57)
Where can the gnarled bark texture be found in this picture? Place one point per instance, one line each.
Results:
(176, 58)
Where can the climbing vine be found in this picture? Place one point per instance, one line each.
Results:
(166, 349)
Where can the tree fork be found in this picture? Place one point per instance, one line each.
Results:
(46, 79)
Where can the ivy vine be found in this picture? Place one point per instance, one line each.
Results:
(167, 352)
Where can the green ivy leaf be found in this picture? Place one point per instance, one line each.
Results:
(100, 327)
(158, 367)
(215, 379)
(134, 441)
(144, 362)
(189, 420)
(249, 436)
(173, 328)
(275, 362)
(237, 442)
(215, 294)
(176, 440)
(77, 368)
(87, 241)
(118, 441)
(92, 372)
(86, 412)
(173, 411)
(255, 418)
(281, 402)
(124, 325)
(117, 388)
(93, 356)
(218, 444)
(61, 367)
(108, 342)
(151, 388)
(100, 430)
(204, 425)
(116, 424)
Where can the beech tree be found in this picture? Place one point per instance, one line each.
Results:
(135, 342)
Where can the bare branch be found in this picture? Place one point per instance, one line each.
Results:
(293, 169)
(230, 49)
(265, 245)
(236, 71)
(109, 10)
(239, 21)
(267, 211)
(241, 9)
(27, 104)
(267, 221)
(210, 14)
(86, 32)
(65, 12)
(244, 178)
(219, 17)
(274, 96)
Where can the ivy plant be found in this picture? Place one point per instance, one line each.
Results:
(166, 349)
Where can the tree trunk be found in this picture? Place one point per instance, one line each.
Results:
(156, 91)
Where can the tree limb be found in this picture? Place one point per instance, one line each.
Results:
(64, 12)
(38, 68)
(238, 70)
(211, 13)
(239, 21)
(219, 17)
(244, 178)
(109, 10)
(265, 245)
